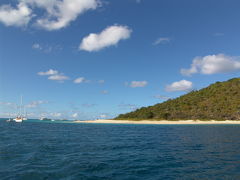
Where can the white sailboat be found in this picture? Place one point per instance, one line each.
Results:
(20, 117)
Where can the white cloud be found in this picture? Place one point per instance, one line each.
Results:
(49, 72)
(61, 13)
(58, 13)
(46, 4)
(46, 48)
(58, 77)
(37, 46)
(162, 40)
(64, 12)
(135, 84)
(213, 64)
(81, 80)
(75, 115)
(182, 85)
(19, 16)
(108, 37)
(54, 75)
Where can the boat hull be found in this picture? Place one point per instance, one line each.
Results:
(18, 120)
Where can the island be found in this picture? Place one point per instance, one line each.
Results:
(218, 103)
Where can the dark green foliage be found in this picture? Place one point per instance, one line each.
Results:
(219, 101)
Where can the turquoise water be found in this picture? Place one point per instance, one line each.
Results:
(35, 150)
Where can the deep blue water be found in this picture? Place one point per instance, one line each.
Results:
(32, 151)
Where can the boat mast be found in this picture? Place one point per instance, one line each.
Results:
(21, 107)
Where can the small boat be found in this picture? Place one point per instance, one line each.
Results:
(20, 117)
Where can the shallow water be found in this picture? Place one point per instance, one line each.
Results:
(33, 150)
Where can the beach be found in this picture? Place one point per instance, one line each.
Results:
(193, 122)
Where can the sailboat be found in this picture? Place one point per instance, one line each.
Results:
(20, 117)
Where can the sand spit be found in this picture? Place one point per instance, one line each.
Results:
(106, 121)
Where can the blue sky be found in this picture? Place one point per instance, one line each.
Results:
(85, 59)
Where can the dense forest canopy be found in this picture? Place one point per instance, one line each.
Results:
(219, 101)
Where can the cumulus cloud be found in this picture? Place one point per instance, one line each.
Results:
(213, 64)
(81, 80)
(54, 75)
(58, 13)
(75, 115)
(135, 84)
(37, 46)
(19, 16)
(162, 40)
(49, 72)
(108, 37)
(182, 85)
(61, 13)
(58, 77)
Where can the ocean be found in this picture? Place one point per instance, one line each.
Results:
(67, 151)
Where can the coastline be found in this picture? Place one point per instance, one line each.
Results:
(191, 122)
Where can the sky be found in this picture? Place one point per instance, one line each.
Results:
(88, 59)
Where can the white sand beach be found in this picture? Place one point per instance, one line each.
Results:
(193, 122)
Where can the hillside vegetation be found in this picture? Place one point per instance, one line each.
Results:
(219, 101)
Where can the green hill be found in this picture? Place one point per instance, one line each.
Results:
(219, 101)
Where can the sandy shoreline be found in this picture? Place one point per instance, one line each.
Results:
(106, 121)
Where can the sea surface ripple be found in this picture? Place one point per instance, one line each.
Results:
(67, 151)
